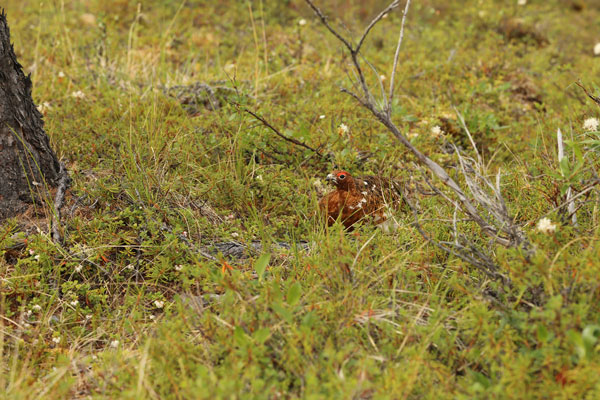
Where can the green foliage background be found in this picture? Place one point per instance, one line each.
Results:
(127, 309)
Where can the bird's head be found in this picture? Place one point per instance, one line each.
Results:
(341, 179)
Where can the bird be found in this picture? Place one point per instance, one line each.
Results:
(356, 199)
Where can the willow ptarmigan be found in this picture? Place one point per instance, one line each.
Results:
(357, 198)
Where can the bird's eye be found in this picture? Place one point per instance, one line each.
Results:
(341, 176)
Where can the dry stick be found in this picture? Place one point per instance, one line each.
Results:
(375, 20)
(400, 38)
(63, 185)
(561, 155)
(465, 255)
(583, 191)
(385, 119)
(464, 126)
(276, 131)
(594, 98)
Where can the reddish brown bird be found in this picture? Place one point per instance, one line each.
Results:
(357, 198)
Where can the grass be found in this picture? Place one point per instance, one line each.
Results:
(128, 309)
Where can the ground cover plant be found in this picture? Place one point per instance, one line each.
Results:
(193, 263)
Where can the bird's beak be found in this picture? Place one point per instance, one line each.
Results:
(331, 178)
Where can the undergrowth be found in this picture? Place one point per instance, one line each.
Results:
(134, 304)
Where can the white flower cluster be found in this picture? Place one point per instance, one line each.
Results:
(343, 129)
(545, 225)
(591, 124)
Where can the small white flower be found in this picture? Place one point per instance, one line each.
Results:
(322, 116)
(37, 257)
(74, 303)
(302, 22)
(114, 344)
(382, 78)
(130, 267)
(235, 235)
(31, 252)
(88, 317)
(436, 131)
(597, 49)
(184, 234)
(521, 2)
(152, 317)
(28, 313)
(545, 225)
(343, 129)
(78, 94)
(159, 304)
(78, 268)
(44, 107)
(56, 340)
(591, 124)
(61, 74)
(36, 307)
(178, 267)
(259, 178)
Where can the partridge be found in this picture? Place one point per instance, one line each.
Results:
(355, 199)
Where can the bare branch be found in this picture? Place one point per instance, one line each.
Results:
(351, 49)
(326, 23)
(498, 224)
(375, 20)
(393, 77)
(276, 131)
(594, 98)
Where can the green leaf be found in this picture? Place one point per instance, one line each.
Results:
(590, 335)
(283, 312)
(261, 264)
(564, 167)
(309, 319)
(262, 335)
(542, 333)
(240, 336)
(577, 342)
(294, 293)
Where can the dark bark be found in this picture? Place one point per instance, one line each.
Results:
(28, 165)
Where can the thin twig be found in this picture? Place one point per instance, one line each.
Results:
(464, 126)
(569, 194)
(375, 20)
(596, 99)
(324, 21)
(393, 77)
(277, 132)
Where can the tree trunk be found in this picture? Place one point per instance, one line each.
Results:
(28, 166)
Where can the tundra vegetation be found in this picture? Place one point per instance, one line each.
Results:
(192, 262)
